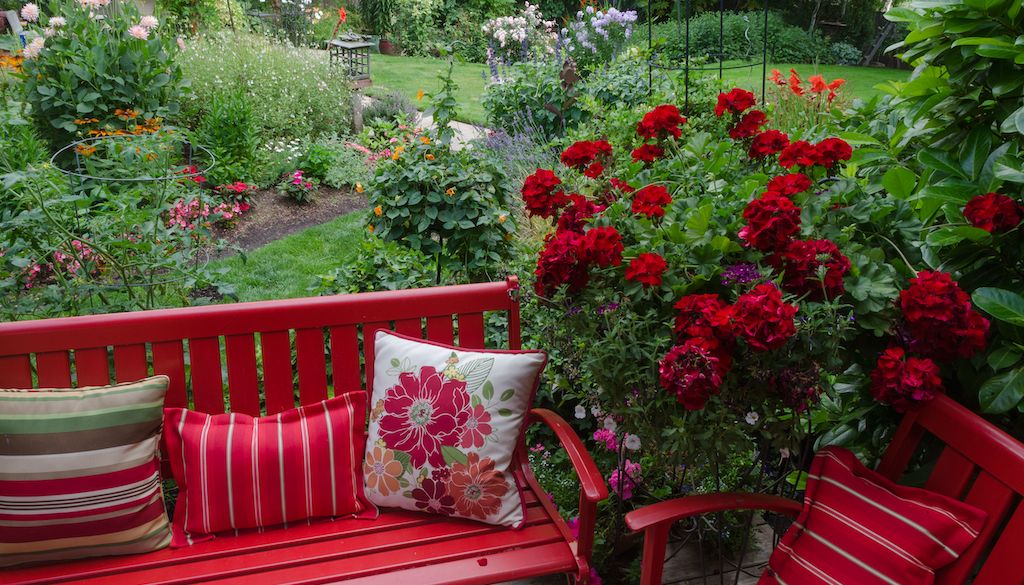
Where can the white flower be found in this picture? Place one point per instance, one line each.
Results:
(30, 12)
(57, 22)
(581, 412)
(595, 410)
(752, 418)
(140, 32)
(631, 442)
(94, 4)
(784, 453)
(149, 22)
(32, 50)
(610, 424)
(49, 32)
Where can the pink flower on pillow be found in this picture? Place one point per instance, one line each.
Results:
(423, 414)
(477, 428)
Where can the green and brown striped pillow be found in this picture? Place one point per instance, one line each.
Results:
(80, 472)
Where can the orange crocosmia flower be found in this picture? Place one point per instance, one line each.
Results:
(378, 211)
(776, 78)
(832, 87)
(818, 84)
(342, 15)
(429, 156)
(794, 83)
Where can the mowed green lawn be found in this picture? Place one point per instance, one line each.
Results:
(408, 75)
(860, 81)
(287, 268)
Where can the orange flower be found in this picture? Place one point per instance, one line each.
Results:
(502, 218)
(419, 95)
(396, 155)
(382, 470)
(429, 156)
(776, 78)
(794, 83)
(378, 211)
(126, 114)
(818, 84)
(450, 191)
(370, 228)
(425, 139)
(342, 15)
(359, 188)
(85, 150)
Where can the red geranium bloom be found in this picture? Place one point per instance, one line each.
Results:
(648, 153)
(646, 269)
(602, 245)
(993, 212)
(763, 319)
(617, 186)
(574, 217)
(540, 194)
(776, 78)
(661, 122)
(693, 372)
(477, 487)
(939, 318)
(582, 153)
(801, 153)
(735, 102)
(818, 84)
(705, 316)
(800, 262)
(424, 413)
(749, 125)
(559, 263)
(767, 143)
(622, 185)
(790, 184)
(904, 382)
(651, 201)
(794, 83)
(830, 151)
(772, 221)
(594, 170)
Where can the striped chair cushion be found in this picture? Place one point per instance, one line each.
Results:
(80, 472)
(236, 472)
(858, 527)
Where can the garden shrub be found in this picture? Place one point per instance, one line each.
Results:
(845, 54)
(418, 34)
(381, 265)
(595, 36)
(389, 107)
(292, 92)
(335, 163)
(94, 77)
(532, 95)
(228, 129)
(519, 37)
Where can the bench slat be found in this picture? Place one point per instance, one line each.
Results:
(16, 372)
(951, 474)
(995, 498)
(53, 369)
(169, 360)
(277, 371)
(345, 367)
(243, 381)
(130, 363)
(312, 365)
(410, 327)
(1004, 560)
(369, 330)
(440, 330)
(92, 366)
(207, 383)
(471, 330)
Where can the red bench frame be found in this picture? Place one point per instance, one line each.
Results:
(980, 464)
(399, 546)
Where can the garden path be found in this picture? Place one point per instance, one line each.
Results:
(464, 133)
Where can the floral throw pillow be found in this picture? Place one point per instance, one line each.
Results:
(443, 427)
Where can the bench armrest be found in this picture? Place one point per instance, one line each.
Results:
(591, 481)
(656, 520)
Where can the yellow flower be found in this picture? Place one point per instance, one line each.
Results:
(359, 188)
(450, 191)
(378, 211)
(425, 139)
(429, 156)
(502, 218)
(419, 95)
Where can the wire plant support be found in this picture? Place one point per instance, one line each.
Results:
(683, 14)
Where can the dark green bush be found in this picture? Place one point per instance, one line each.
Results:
(229, 131)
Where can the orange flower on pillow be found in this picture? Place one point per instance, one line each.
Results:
(382, 470)
(477, 487)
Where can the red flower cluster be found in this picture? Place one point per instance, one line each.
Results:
(939, 318)
(791, 184)
(800, 262)
(736, 101)
(772, 221)
(705, 316)
(749, 125)
(800, 153)
(904, 382)
(661, 122)
(692, 372)
(574, 217)
(559, 263)
(541, 194)
(585, 156)
(602, 246)
(646, 269)
(763, 319)
(648, 153)
(768, 143)
(830, 151)
(993, 212)
(651, 201)
(794, 83)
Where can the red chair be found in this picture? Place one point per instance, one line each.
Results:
(980, 465)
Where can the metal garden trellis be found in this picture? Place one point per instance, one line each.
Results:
(683, 16)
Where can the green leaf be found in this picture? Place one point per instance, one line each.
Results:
(1002, 304)
(940, 161)
(476, 372)
(488, 390)
(405, 459)
(507, 395)
(1003, 392)
(953, 234)
(452, 455)
(900, 182)
(1003, 358)
(505, 412)
(395, 363)
(1013, 123)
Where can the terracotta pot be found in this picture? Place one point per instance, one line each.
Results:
(388, 48)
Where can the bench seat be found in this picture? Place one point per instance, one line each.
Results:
(397, 547)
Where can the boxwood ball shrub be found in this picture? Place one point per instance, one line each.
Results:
(86, 76)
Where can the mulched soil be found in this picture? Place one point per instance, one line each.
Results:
(273, 217)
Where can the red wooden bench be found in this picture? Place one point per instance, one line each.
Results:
(399, 547)
(979, 464)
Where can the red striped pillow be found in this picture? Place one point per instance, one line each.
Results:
(235, 471)
(858, 527)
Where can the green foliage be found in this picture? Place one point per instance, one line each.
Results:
(443, 202)
(378, 16)
(92, 68)
(20, 145)
(845, 54)
(381, 265)
(292, 92)
(186, 16)
(418, 33)
(389, 107)
(444, 106)
(335, 164)
(537, 96)
(228, 129)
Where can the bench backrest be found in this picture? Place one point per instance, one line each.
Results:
(325, 335)
(981, 465)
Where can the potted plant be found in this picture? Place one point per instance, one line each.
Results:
(378, 18)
